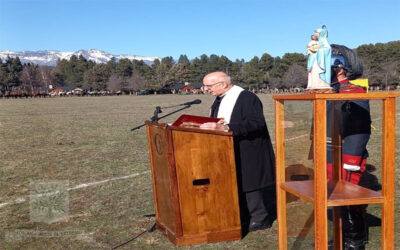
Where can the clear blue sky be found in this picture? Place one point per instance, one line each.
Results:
(236, 28)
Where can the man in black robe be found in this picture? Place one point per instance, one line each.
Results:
(242, 112)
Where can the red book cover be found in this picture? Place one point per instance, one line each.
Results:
(193, 121)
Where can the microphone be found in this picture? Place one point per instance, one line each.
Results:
(197, 101)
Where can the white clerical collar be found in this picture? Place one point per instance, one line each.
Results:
(228, 103)
(229, 90)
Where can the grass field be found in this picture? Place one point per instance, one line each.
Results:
(87, 140)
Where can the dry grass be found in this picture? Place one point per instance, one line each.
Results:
(88, 139)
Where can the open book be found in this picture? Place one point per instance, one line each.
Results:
(193, 121)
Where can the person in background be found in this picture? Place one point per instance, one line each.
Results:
(242, 113)
(355, 130)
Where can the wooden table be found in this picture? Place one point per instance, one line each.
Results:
(336, 192)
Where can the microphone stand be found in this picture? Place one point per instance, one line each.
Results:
(158, 111)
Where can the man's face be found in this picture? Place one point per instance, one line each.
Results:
(336, 73)
(216, 86)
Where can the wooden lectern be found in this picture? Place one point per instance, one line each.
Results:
(194, 184)
(323, 193)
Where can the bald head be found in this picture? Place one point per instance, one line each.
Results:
(217, 83)
(218, 76)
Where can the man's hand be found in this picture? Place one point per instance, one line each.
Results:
(214, 126)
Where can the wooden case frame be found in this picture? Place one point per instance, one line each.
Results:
(323, 193)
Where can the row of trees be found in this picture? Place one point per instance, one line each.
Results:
(382, 67)
(381, 62)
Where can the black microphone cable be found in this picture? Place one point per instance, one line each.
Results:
(151, 229)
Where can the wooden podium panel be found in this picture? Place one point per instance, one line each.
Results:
(164, 195)
(209, 161)
(194, 184)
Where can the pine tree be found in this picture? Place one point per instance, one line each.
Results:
(124, 68)
(3, 75)
(163, 74)
(183, 60)
(12, 69)
(252, 74)
(97, 77)
(112, 65)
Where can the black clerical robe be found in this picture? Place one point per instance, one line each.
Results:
(254, 154)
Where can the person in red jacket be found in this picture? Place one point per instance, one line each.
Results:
(355, 130)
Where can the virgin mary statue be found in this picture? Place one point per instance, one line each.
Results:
(319, 63)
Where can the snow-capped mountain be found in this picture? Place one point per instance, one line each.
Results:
(50, 57)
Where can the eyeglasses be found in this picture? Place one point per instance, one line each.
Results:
(211, 85)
